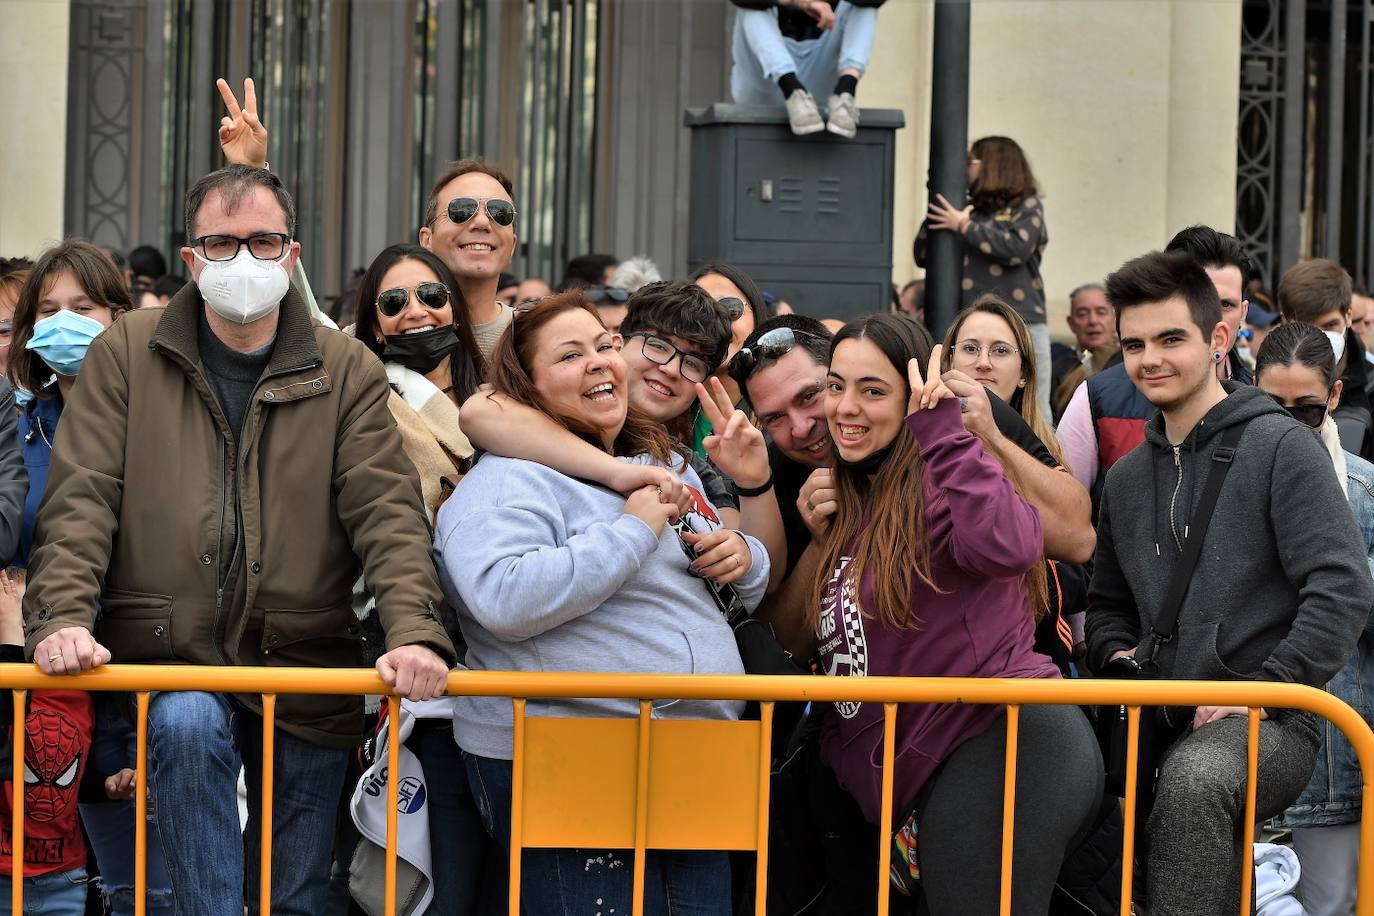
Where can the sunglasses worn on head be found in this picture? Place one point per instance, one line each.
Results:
(500, 212)
(600, 295)
(770, 347)
(432, 295)
(734, 308)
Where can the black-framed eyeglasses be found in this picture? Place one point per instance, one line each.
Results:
(432, 295)
(771, 346)
(1313, 415)
(601, 295)
(657, 350)
(265, 246)
(501, 212)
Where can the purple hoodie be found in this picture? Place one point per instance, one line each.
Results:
(985, 538)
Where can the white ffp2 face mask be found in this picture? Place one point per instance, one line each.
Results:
(243, 289)
(1337, 343)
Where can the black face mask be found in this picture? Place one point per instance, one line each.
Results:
(869, 464)
(422, 351)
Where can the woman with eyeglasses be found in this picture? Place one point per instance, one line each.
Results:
(553, 573)
(1003, 235)
(926, 568)
(408, 316)
(71, 295)
(1296, 366)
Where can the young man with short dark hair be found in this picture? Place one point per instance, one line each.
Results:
(1319, 292)
(1295, 547)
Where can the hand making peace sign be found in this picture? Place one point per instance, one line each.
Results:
(928, 391)
(241, 135)
(735, 446)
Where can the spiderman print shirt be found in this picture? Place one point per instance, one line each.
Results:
(57, 741)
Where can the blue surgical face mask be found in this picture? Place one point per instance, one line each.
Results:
(23, 397)
(61, 340)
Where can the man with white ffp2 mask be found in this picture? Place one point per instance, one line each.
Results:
(227, 468)
(1319, 292)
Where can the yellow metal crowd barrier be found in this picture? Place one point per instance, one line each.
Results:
(679, 784)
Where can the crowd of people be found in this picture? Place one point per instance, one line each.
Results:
(615, 473)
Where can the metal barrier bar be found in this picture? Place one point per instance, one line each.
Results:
(885, 817)
(393, 801)
(641, 809)
(269, 719)
(1247, 846)
(1009, 805)
(765, 787)
(517, 802)
(144, 699)
(1250, 695)
(17, 827)
(1128, 806)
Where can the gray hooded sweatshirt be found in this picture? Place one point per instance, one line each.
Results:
(1282, 588)
(548, 573)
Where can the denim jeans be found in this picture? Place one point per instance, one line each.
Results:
(762, 55)
(196, 741)
(58, 893)
(597, 882)
(110, 825)
(469, 868)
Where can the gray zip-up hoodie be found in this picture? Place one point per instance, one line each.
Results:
(548, 573)
(1282, 588)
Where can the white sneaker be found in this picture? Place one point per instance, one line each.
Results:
(803, 114)
(844, 115)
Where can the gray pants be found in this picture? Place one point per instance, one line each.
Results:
(1195, 827)
(1329, 858)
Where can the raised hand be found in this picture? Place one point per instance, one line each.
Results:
(817, 502)
(736, 447)
(976, 409)
(928, 390)
(241, 135)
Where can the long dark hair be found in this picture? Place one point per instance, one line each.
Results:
(753, 297)
(465, 363)
(1294, 342)
(1004, 175)
(882, 523)
(99, 279)
(509, 374)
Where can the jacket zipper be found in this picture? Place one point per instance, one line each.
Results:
(1173, 501)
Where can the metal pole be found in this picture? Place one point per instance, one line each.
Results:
(1291, 158)
(948, 156)
(1335, 130)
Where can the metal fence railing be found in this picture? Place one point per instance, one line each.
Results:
(650, 783)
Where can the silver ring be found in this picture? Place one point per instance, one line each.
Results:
(963, 405)
(738, 564)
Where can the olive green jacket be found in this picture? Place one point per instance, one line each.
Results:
(173, 543)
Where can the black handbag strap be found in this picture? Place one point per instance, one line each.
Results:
(1222, 458)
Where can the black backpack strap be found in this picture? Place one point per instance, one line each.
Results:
(1167, 625)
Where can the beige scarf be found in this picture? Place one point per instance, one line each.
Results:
(1331, 438)
(430, 435)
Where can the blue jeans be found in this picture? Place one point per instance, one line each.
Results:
(588, 882)
(762, 55)
(58, 893)
(466, 862)
(196, 741)
(110, 825)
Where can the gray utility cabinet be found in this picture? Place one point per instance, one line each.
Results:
(809, 218)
